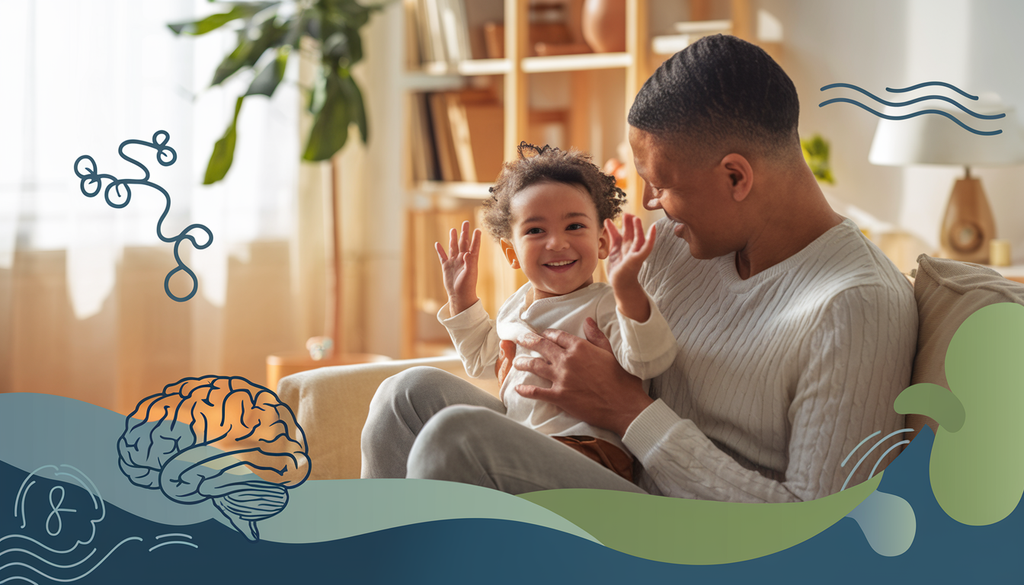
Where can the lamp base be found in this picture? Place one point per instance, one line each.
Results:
(968, 225)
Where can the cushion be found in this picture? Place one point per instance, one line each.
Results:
(947, 292)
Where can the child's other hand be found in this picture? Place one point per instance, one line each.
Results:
(627, 251)
(459, 268)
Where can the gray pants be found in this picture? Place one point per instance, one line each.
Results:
(426, 423)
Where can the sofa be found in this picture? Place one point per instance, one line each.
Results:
(331, 403)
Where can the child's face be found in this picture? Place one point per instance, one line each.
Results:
(557, 238)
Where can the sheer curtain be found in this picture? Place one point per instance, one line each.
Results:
(83, 311)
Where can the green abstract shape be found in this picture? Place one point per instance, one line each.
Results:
(940, 404)
(698, 532)
(977, 466)
(888, 523)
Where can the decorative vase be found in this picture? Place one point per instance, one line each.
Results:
(604, 25)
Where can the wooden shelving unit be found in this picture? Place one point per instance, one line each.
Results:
(433, 203)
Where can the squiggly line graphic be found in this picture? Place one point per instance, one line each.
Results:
(929, 84)
(865, 456)
(912, 115)
(52, 578)
(119, 193)
(173, 542)
(913, 101)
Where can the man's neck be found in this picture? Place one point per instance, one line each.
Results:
(795, 215)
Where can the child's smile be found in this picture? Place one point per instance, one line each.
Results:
(557, 238)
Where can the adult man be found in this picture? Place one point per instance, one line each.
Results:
(795, 334)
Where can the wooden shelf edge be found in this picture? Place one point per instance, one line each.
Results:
(581, 62)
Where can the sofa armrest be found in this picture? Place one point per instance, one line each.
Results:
(331, 404)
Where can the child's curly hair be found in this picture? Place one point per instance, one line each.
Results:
(538, 165)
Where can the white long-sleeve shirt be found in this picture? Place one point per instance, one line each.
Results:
(644, 349)
(778, 377)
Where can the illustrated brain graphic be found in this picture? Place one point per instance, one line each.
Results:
(220, 438)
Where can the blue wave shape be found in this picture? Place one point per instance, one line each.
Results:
(912, 115)
(915, 100)
(929, 84)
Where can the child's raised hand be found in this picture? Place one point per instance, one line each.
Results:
(627, 250)
(459, 268)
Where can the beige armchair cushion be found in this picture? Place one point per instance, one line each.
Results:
(947, 292)
(331, 404)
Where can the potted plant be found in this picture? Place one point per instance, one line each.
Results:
(269, 33)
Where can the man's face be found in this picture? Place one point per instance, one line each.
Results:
(557, 237)
(692, 194)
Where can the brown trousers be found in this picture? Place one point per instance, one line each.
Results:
(602, 452)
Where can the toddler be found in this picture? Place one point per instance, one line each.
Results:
(551, 211)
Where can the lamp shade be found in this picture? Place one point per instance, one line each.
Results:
(935, 139)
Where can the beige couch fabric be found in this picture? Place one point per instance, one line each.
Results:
(331, 405)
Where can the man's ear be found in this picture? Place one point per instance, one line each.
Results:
(740, 173)
(510, 253)
(603, 243)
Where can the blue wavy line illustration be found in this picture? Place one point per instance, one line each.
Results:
(929, 84)
(85, 574)
(912, 115)
(173, 542)
(19, 577)
(92, 181)
(914, 101)
(51, 563)
(865, 456)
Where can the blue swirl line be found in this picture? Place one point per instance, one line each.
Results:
(52, 564)
(173, 542)
(83, 574)
(865, 456)
(930, 83)
(24, 519)
(912, 115)
(26, 579)
(903, 442)
(916, 100)
(188, 536)
(865, 440)
(92, 181)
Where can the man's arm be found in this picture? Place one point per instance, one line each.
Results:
(854, 364)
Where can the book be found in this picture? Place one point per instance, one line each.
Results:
(477, 125)
(443, 140)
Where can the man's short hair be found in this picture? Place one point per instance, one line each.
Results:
(720, 92)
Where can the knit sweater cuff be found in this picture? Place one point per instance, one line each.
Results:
(649, 428)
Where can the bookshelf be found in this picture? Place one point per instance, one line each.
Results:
(593, 94)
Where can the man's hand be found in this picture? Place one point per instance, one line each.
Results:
(586, 380)
(506, 353)
(626, 255)
(459, 268)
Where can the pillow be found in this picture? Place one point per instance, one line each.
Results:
(947, 292)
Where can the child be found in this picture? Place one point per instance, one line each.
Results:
(551, 210)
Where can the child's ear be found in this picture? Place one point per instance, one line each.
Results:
(603, 243)
(510, 253)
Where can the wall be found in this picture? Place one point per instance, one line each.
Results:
(876, 44)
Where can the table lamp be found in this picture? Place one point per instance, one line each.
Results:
(967, 225)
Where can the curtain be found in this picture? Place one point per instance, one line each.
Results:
(83, 309)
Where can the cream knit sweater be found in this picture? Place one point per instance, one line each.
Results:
(778, 377)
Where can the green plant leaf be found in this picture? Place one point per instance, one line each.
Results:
(224, 150)
(215, 21)
(330, 124)
(249, 50)
(270, 77)
(356, 109)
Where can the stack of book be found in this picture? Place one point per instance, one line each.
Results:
(456, 136)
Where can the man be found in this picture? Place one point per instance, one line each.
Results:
(795, 334)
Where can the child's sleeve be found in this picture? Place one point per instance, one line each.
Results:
(475, 337)
(644, 349)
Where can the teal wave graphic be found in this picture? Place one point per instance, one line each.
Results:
(41, 430)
